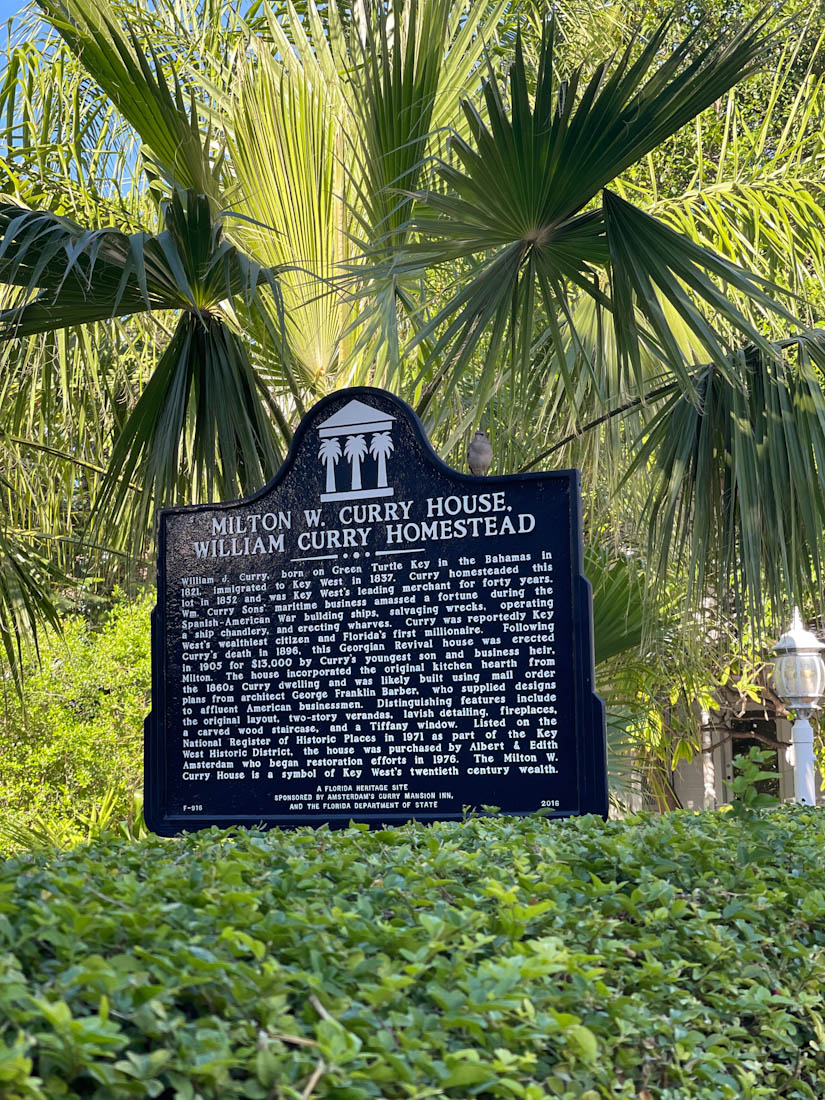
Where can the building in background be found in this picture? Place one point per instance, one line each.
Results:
(731, 731)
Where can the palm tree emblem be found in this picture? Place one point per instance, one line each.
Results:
(356, 431)
(330, 452)
(381, 447)
(355, 450)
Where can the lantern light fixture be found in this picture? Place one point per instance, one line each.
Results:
(799, 676)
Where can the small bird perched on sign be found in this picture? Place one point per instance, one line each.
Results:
(479, 454)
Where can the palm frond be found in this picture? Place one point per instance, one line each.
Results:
(80, 275)
(736, 496)
(26, 602)
(758, 191)
(166, 118)
(287, 147)
(396, 85)
(200, 426)
(517, 206)
(200, 423)
(65, 148)
(619, 617)
(650, 261)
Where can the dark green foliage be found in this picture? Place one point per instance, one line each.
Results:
(755, 445)
(744, 787)
(79, 734)
(24, 598)
(663, 958)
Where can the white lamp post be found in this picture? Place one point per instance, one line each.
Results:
(799, 675)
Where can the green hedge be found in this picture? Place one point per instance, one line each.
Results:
(681, 956)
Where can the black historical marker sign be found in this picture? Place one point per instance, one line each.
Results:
(373, 637)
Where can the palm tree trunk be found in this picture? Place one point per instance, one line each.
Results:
(330, 476)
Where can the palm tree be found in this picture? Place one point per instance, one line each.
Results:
(355, 450)
(330, 452)
(381, 447)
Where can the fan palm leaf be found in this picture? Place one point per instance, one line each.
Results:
(517, 203)
(287, 147)
(735, 488)
(201, 421)
(760, 197)
(165, 117)
(619, 619)
(327, 131)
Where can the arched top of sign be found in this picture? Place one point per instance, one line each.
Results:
(357, 441)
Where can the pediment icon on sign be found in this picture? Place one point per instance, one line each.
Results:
(356, 432)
